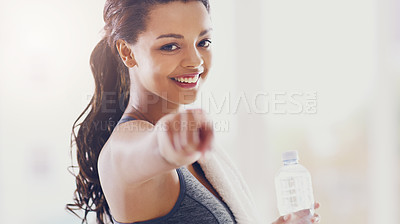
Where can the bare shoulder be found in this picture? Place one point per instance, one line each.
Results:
(118, 146)
(133, 128)
(122, 136)
(131, 203)
(126, 140)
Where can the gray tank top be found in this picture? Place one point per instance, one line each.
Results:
(195, 204)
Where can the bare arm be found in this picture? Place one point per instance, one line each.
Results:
(138, 151)
(134, 152)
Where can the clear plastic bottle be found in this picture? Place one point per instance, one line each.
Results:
(293, 185)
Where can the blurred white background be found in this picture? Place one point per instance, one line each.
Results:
(321, 77)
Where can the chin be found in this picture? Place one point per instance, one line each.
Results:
(183, 98)
(187, 100)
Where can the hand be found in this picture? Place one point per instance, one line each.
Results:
(184, 137)
(301, 217)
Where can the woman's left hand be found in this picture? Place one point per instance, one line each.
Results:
(301, 217)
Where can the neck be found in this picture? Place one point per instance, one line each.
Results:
(149, 106)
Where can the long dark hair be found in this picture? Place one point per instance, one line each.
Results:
(124, 19)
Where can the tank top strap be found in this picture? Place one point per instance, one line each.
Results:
(163, 219)
(125, 119)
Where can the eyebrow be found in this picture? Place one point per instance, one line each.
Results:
(179, 36)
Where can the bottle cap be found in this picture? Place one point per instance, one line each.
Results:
(290, 155)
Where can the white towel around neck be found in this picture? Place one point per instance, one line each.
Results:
(226, 179)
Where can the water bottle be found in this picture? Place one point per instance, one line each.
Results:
(293, 185)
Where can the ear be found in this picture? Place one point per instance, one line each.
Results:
(125, 53)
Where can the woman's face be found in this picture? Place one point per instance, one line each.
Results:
(176, 43)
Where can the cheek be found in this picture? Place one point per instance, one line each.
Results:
(207, 57)
(150, 65)
(158, 68)
(164, 65)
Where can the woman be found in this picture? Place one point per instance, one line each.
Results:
(157, 164)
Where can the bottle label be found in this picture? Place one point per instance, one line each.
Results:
(294, 194)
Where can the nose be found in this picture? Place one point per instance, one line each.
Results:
(192, 59)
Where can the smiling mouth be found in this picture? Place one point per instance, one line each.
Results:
(187, 80)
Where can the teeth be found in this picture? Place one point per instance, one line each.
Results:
(188, 80)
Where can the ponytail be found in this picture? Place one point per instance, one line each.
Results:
(106, 107)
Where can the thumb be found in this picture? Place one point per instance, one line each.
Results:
(283, 219)
(286, 217)
(206, 136)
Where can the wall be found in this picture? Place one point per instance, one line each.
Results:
(318, 77)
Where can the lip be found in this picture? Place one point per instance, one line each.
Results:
(186, 85)
(191, 75)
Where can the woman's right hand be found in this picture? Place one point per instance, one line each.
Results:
(184, 137)
(301, 217)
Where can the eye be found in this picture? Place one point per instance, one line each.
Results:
(170, 47)
(205, 43)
